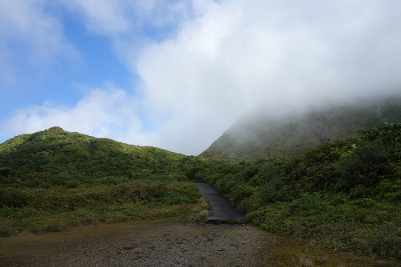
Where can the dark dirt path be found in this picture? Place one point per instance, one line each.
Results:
(220, 207)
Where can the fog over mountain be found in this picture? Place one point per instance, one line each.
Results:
(209, 62)
(264, 135)
(239, 56)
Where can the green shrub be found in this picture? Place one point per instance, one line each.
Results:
(13, 197)
(6, 172)
(109, 180)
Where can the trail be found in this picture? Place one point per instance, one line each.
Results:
(220, 207)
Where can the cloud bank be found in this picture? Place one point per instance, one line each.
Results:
(204, 63)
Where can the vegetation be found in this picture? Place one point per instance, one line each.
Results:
(344, 195)
(52, 180)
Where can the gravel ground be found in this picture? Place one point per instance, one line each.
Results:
(159, 243)
(169, 242)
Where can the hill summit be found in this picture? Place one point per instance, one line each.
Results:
(266, 136)
(55, 152)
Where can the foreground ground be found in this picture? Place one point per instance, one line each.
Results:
(169, 242)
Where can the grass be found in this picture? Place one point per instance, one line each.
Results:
(53, 180)
(200, 211)
(58, 208)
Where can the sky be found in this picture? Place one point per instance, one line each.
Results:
(176, 74)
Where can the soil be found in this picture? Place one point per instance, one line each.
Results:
(169, 242)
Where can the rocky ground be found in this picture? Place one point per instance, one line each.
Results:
(170, 242)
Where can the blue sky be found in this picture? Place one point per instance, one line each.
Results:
(177, 73)
(99, 62)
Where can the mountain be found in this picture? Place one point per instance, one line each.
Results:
(267, 136)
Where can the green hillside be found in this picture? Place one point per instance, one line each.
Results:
(261, 135)
(55, 152)
(54, 179)
(342, 194)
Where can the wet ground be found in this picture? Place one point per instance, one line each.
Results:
(220, 207)
(171, 242)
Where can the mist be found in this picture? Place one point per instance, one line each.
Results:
(227, 58)
(280, 57)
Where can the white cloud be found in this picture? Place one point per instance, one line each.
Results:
(239, 55)
(25, 23)
(126, 18)
(105, 17)
(104, 112)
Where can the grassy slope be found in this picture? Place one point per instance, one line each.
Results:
(263, 136)
(53, 179)
(54, 151)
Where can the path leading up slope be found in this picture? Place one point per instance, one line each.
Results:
(220, 207)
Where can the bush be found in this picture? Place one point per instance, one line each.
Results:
(13, 197)
(5, 172)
